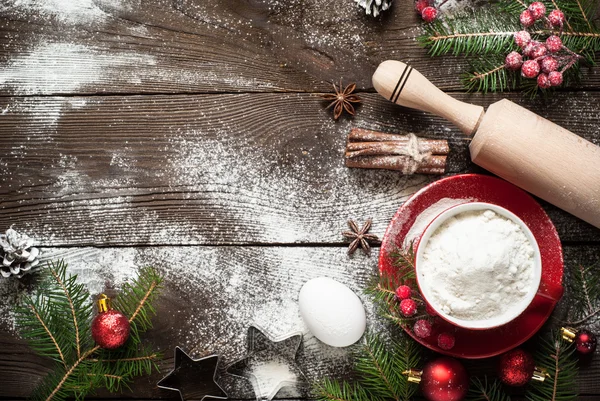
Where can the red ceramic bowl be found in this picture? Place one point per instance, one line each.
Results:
(414, 216)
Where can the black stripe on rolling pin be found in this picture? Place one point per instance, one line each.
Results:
(398, 84)
(409, 69)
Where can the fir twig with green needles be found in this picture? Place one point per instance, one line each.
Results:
(56, 323)
(485, 37)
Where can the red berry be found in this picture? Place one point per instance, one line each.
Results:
(429, 14)
(556, 18)
(430, 311)
(422, 328)
(554, 43)
(513, 61)
(539, 51)
(555, 78)
(530, 69)
(522, 38)
(526, 19)
(446, 341)
(403, 292)
(420, 5)
(530, 47)
(549, 64)
(543, 81)
(408, 307)
(537, 10)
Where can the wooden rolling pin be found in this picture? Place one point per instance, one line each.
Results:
(510, 141)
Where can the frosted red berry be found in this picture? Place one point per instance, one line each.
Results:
(446, 341)
(522, 38)
(549, 64)
(403, 292)
(543, 81)
(539, 51)
(422, 328)
(537, 10)
(554, 43)
(421, 4)
(526, 19)
(530, 69)
(513, 61)
(530, 47)
(429, 14)
(408, 307)
(555, 78)
(556, 18)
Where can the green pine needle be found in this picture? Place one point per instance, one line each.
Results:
(56, 323)
(584, 286)
(557, 357)
(379, 365)
(486, 391)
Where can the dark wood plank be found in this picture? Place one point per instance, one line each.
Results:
(198, 46)
(211, 296)
(218, 169)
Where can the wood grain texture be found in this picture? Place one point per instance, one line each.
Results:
(211, 296)
(185, 46)
(217, 169)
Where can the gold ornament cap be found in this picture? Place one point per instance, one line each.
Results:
(540, 374)
(568, 334)
(414, 375)
(103, 303)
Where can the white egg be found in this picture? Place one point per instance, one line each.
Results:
(332, 312)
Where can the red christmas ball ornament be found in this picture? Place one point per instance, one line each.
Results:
(444, 379)
(585, 341)
(556, 18)
(429, 14)
(556, 78)
(526, 19)
(537, 10)
(516, 368)
(110, 328)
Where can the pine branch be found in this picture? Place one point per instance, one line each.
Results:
(557, 357)
(585, 299)
(331, 390)
(485, 391)
(377, 369)
(57, 324)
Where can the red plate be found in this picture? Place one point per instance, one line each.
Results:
(429, 202)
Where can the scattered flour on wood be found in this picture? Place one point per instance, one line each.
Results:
(66, 11)
(50, 68)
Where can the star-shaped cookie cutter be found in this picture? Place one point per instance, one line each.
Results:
(270, 363)
(188, 377)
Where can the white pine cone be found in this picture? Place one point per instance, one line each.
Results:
(18, 254)
(374, 7)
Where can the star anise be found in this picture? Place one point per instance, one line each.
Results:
(342, 99)
(359, 237)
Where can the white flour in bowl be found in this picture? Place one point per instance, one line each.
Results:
(478, 265)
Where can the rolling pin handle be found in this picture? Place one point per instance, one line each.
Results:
(405, 86)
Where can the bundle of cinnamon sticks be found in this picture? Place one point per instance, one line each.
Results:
(407, 153)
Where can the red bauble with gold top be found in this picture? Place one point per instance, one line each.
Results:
(444, 379)
(110, 328)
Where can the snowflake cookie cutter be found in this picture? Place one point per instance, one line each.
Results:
(270, 363)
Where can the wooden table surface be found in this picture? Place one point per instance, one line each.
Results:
(188, 135)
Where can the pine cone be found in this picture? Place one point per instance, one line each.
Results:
(17, 253)
(374, 7)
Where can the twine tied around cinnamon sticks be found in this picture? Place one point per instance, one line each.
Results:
(406, 153)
